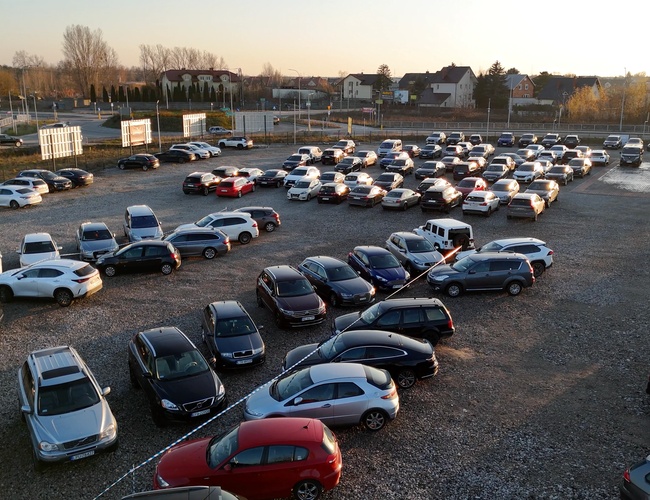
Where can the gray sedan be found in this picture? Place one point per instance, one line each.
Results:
(335, 393)
(400, 199)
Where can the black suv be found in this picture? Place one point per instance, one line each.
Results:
(200, 182)
(424, 318)
(441, 198)
(266, 218)
(143, 161)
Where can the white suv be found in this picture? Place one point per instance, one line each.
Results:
(236, 142)
(238, 226)
(539, 255)
(447, 234)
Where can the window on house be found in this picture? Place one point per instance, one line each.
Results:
(526, 86)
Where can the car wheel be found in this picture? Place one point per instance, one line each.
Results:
(238, 194)
(278, 184)
(489, 212)
(186, 192)
(269, 227)
(279, 320)
(120, 166)
(374, 420)
(307, 490)
(405, 207)
(454, 290)
(406, 378)
(244, 238)
(17, 144)
(432, 336)
(132, 378)
(6, 294)
(166, 269)
(206, 191)
(538, 269)
(566, 181)
(222, 145)
(110, 271)
(145, 167)
(334, 300)
(308, 196)
(535, 216)
(547, 203)
(14, 204)
(63, 297)
(514, 288)
(181, 160)
(209, 253)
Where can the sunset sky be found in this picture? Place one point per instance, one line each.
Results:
(333, 36)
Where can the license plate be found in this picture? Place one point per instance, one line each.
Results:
(326, 199)
(83, 455)
(244, 361)
(308, 318)
(397, 286)
(199, 413)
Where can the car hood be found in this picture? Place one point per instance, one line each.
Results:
(185, 463)
(300, 303)
(390, 274)
(95, 245)
(75, 425)
(344, 321)
(295, 355)
(443, 269)
(239, 343)
(188, 389)
(262, 402)
(351, 286)
(30, 258)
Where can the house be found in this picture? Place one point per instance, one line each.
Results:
(520, 86)
(309, 88)
(451, 87)
(357, 86)
(221, 81)
(559, 88)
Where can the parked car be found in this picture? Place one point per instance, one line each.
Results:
(560, 173)
(403, 167)
(314, 152)
(355, 179)
(336, 282)
(430, 182)
(547, 189)
(549, 156)
(77, 176)
(32, 183)
(94, 239)
(635, 484)
(304, 189)
(143, 161)
(368, 157)
(437, 138)
(200, 182)
(352, 394)
(236, 142)
(431, 169)
(407, 359)
(346, 145)
(389, 180)
(272, 177)
(412, 149)
(176, 380)
(238, 226)
(481, 202)
(231, 336)
(400, 199)
(514, 157)
(17, 196)
(415, 252)
(506, 139)
(250, 173)
(599, 157)
(539, 255)
(485, 150)
(142, 256)
(140, 223)
(63, 280)
(431, 151)
(527, 154)
(454, 150)
(469, 184)
(9, 139)
(447, 234)
(571, 141)
(258, 459)
(526, 205)
(495, 172)
(175, 156)
(200, 153)
(389, 157)
(333, 192)
(378, 267)
(64, 407)
(484, 271)
(184, 493)
(551, 139)
(207, 242)
(450, 162)
(480, 161)
(296, 160)
(505, 189)
(635, 142)
(613, 142)
(213, 150)
(289, 296)
(466, 169)
(581, 166)
(265, 217)
(225, 171)
(349, 164)
(54, 182)
(441, 197)
(455, 138)
(564, 154)
(389, 146)
(332, 156)
(219, 130)
(631, 155)
(332, 176)
(475, 139)
(366, 196)
(526, 140)
(528, 172)
(35, 247)
(235, 187)
(536, 148)
(508, 161)
(299, 173)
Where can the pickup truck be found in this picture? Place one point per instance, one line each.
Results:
(447, 234)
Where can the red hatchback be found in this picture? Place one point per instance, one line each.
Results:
(258, 459)
(235, 187)
(469, 184)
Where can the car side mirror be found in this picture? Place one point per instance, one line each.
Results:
(26, 409)
(471, 272)
(106, 391)
(297, 401)
(228, 467)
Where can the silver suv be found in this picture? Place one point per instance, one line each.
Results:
(64, 407)
(414, 252)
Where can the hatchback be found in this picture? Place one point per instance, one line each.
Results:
(450, 161)
(332, 156)
(304, 189)
(441, 197)
(64, 280)
(481, 202)
(378, 267)
(580, 166)
(415, 252)
(483, 271)
(349, 164)
(225, 171)
(332, 176)
(235, 187)
(526, 205)
(300, 172)
(599, 157)
(431, 169)
(259, 459)
(430, 182)
(273, 177)
(400, 199)
(495, 172)
(141, 256)
(18, 196)
(35, 247)
(94, 239)
(357, 178)
(368, 157)
(238, 226)
(199, 241)
(394, 155)
(64, 407)
(366, 196)
(266, 218)
(403, 167)
(200, 182)
(37, 185)
(528, 172)
(140, 223)
(296, 160)
(560, 173)
(469, 184)
(177, 381)
(335, 394)
(466, 169)
(231, 336)
(431, 151)
(389, 180)
(333, 192)
(336, 281)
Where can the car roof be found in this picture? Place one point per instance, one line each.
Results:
(328, 371)
(353, 338)
(32, 237)
(283, 272)
(371, 250)
(139, 210)
(69, 264)
(326, 261)
(408, 235)
(167, 340)
(56, 365)
(525, 195)
(480, 256)
(93, 226)
(505, 242)
(225, 309)
(286, 430)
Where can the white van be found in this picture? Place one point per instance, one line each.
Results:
(389, 146)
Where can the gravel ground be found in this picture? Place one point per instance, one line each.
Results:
(538, 396)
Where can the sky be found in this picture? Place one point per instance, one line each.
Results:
(330, 37)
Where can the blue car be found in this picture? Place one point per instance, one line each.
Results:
(379, 267)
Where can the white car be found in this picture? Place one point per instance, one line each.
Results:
(18, 196)
(528, 172)
(300, 172)
(536, 148)
(481, 202)
(548, 155)
(505, 189)
(354, 179)
(599, 157)
(238, 226)
(36, 247)
(304, 189)
(219, 131)
(61, 279)
(204, 154)
(251, 173)
(38, 185)
(213, 150)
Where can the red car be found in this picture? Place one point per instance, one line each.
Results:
(469, 184)
(258, 459)
(235, 187)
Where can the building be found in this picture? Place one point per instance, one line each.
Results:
(559, 89)
(223, 82)
(358, 86)
(451, 87)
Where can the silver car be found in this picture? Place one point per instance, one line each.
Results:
(65, 409)
(93, 240)
(335, 393)
(414, 252)
(194, 242)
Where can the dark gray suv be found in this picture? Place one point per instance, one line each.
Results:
(483, 271)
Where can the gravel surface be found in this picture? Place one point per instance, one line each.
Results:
(538, 396)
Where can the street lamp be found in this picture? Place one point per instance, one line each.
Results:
(309, 110)
(294, 107)
(35, 110)
(294, 122)
(158, 120)
(487, 129)
(509, 104)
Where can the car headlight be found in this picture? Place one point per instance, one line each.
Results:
(161, 482)
(284, 311)
(407, 275)
(439, 277)
(259, 350)
(45, 446)
(372, 291)
(254, 413)
(109, 432)
(381, 278)
(227, 355)
(168, 405)
(87, 253)
(221, 390)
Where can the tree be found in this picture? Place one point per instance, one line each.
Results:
(93, 93)
(105, 95)
(492, 88)
(541, 80)
(418, 86)
(383, 81)
(512, 71)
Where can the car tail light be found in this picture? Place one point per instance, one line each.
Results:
(450, 324)
(550, 252)
(254, 224)
(626, 475)
(173, 255)
(82, 280)
(484, 204)
(391, 394)
(276, 217)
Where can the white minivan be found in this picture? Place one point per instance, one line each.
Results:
(389, 146)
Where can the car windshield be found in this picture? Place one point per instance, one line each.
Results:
(467, 183)
(494, 168)
(180, 365)
(463, 264)
(419, 246)
(299, 171)
(39, 247)
(385, 178)
(557, 170)
(341, 273)
(221, 447)
(66, 398)
(331, 348)
(205, 221)
(303, 184)
(291, 384)
(490, 247)
(143, 221)
(295, 158)
(398, 163)
(526, 168)
(394, 194)
(386, 261)
(49, 175)
(233, 327)
(294, 288)
(94, 235)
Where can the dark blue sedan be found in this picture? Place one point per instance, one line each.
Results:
(379, 267)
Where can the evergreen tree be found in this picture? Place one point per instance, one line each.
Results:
(113, 94)
(120, 96)
(93, 93)
(105, 94)
(213, 95)
(179, 94)
(206, 93)
(383, 81)
(136, 94)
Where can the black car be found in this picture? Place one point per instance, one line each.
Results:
(431, 169)
(431, 151)
(389, 180)
(333, 192)
(54, 182)
(402, 166)
(274, 177)
(226, 171)
(149, 255)
(336, 281)
(9, 139)
(424, 318)
(231, 336)
(296, 160)
(441, 198)
(406, 359)
(526, 140)
(290, 297)
(349, 164)
(77, 176)
(201, 182)
(174, 376)
(143, 161)
(176, 156)
(266, 218)
(551, 140)
(332, 155)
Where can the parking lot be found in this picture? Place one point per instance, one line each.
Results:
(538, 396)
